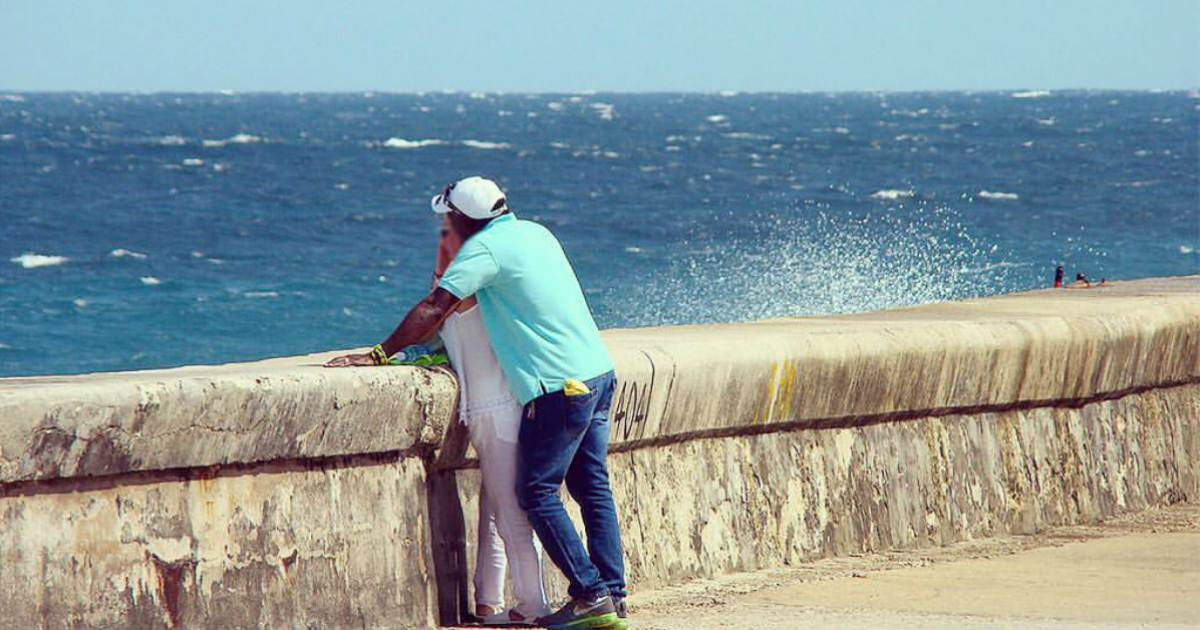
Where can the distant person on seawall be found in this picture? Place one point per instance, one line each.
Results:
(549, 349)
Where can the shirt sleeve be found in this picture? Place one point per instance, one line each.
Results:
(474, 268)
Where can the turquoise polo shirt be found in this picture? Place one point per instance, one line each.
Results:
(532, 306)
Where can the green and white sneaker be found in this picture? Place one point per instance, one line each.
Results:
(584, 614)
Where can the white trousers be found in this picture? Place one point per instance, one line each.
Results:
(505, 536)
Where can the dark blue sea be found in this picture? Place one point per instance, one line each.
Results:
(151, 230)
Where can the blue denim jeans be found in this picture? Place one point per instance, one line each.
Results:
(565, 438)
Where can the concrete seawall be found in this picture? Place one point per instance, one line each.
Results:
(282, 494)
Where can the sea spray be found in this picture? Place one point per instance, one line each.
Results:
(817, 263)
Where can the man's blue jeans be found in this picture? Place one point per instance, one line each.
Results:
(565, 438)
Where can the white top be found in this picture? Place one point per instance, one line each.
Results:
(483, 390)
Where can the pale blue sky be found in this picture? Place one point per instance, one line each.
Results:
(637, 45)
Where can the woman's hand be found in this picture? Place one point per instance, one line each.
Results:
(350, 360)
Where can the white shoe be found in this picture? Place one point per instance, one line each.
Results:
(509, 618)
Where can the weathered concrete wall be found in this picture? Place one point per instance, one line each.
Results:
(342, 543)
(279, 494)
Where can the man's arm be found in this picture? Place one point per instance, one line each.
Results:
(420, 324)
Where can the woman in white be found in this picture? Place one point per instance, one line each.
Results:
(493, 418)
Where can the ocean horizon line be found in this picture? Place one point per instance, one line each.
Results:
(588, 92)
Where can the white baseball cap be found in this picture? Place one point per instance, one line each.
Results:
(475, 197)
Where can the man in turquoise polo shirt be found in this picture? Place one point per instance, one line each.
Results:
(550, 350)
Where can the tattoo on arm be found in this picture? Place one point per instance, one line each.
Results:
(422, 322)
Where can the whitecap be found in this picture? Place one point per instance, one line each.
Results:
(261, 294)
(998, 196)
(632, 249)
(1047, 122)
(892, 194)
(4, 346)
(80, 302)
(1030, 94)
(746, 135)
(30, 260)
(401, 143)
(342, 186)
(604, 109)
(12, 98)
(841, 130)
(716, 118)
(483, 144)
(1184, 249)
(150, 280)
(172, 141)
(728, 93)
(477, 95)
(240, 138)
(193, 162)
(121, 252)
(555, 106)
(8, 137)
(560, 145)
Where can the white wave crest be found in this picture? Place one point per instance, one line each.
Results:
(261, 294)
(1184, 249)
(483, 144)
(172, 141)
(998, 196)
(1030, 94)
(745, 135)
(892, 194)
(716, 118)
(121, 252)
(29, 260)
(150, 280)
(604, 109)
(240, 138)
(193, 162)
(401, 143)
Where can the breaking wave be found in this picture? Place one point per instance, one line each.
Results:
(29, 260)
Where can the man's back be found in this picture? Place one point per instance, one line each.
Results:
(532, 305)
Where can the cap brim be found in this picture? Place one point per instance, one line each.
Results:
(439, 205)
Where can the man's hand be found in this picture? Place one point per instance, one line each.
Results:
(350, 360)
(421, 323)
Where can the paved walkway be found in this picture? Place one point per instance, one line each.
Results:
(1136, 572)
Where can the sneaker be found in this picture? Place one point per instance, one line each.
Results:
(509, 619)
(619, 604)
(583, 614)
